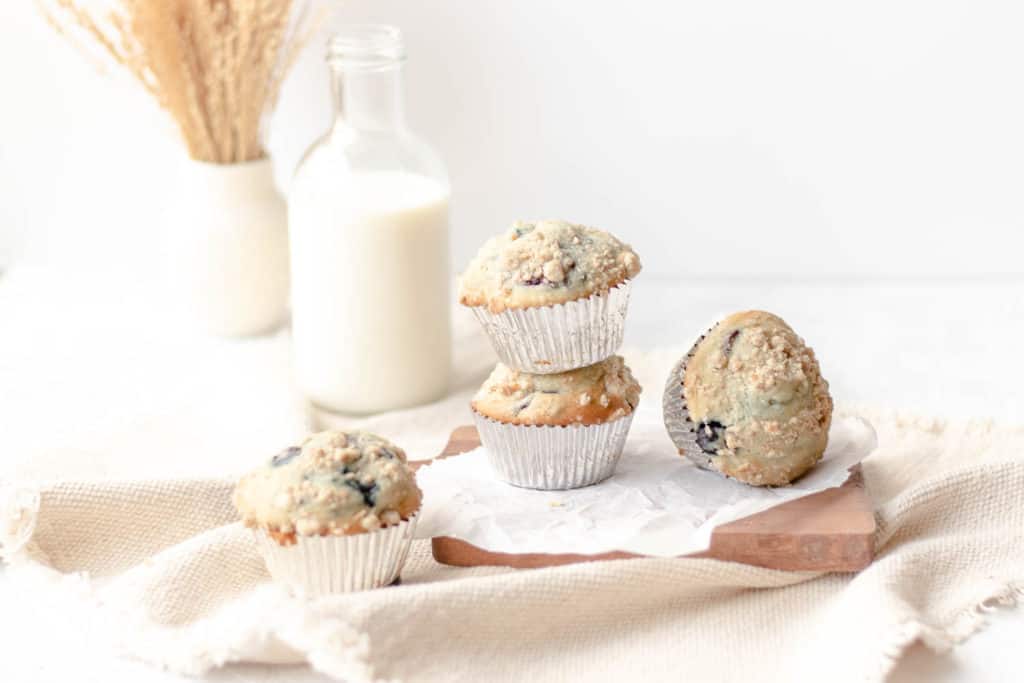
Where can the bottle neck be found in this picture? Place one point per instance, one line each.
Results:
(369, 99)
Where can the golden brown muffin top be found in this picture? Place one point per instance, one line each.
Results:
(595, 394)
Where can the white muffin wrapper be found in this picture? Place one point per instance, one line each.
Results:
(681, 429)
(324, 565)
(553, 458)
(549, 339)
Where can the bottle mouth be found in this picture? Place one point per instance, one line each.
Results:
(366, 47)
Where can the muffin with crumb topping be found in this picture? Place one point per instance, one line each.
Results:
(556, 431)
(749, 401)
(551, 295)
(333, 514)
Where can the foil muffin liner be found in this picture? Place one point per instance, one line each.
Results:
(553, 458)
(548, 339)
(324, 565)
(681, 429)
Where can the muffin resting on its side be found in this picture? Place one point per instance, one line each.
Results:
(544, 263)
(558, 431)
(759, 407)
(595, 394)
(335, 483)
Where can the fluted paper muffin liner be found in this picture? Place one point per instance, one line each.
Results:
(553, 458)
(549, 339)
(324, 565)
(681, 429)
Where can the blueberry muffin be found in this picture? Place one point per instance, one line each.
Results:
(552, 296)
(556, 431)
(749, 401)
(542, 263)
(592, 395)
(324, 509)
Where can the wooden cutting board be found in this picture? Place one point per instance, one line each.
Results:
(829, 531)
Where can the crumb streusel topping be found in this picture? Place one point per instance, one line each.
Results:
(334, 483)
(755, 393)
(595, 394)
(544, 263)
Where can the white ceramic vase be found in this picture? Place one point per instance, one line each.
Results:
(228, 237)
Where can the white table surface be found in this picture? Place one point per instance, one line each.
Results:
(93, 370)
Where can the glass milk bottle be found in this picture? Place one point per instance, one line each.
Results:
(368, 224)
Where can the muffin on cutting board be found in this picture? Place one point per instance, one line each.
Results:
(749, 401)
(551, 295)
(556, 431)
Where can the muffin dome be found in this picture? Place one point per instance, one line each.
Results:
(544, 263)
(759, 407)
(334, 483)
(591, 395)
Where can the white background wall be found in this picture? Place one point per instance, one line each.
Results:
(818, 139)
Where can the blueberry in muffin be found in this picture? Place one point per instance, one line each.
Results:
(749, 401)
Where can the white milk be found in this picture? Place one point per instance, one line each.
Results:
(370, 300)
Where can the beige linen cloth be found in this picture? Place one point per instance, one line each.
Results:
(166, 573)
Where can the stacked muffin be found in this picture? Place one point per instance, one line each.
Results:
(552, 297)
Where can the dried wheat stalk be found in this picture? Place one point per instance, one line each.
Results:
(216, 66)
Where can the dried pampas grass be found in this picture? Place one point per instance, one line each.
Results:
(216, 66)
